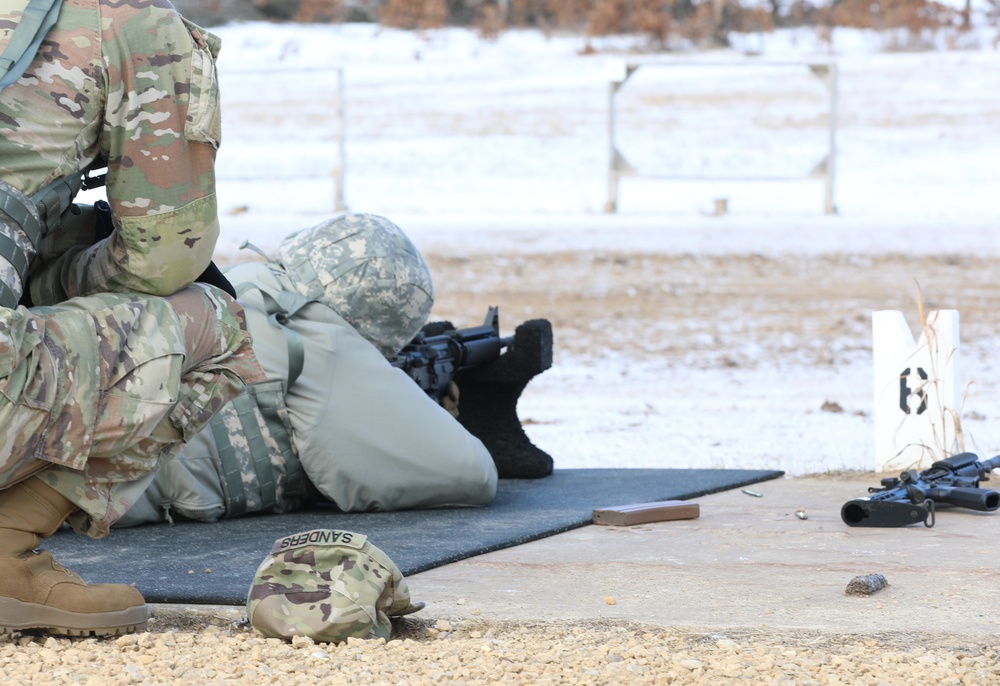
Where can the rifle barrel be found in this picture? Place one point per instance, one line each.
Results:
(476, 352)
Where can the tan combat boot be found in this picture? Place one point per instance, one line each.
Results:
(38, 593)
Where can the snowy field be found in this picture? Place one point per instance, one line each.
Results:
(501, 147)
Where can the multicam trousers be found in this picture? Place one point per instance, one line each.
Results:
(114, 384)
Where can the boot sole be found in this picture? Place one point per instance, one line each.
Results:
(17, 615)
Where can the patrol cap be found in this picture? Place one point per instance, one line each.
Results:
(329, 585)
(368, 271)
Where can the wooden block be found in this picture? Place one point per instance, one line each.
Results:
(643, 513)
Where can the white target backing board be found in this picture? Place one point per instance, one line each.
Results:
(917, 400)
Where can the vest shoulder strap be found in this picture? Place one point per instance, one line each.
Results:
(39, 16)
(281, 305)
(36, 216)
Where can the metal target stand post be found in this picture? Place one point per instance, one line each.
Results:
(618, 167)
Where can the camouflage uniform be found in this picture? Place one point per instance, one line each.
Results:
(130, 81)
(104, 377)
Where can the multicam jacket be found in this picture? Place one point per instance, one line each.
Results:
(131, 82)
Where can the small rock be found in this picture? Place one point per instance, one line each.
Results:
(302, 642)
(866, 584)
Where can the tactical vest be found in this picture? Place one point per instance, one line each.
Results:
(246, 459)
(43, 211)
(257, 459)
(36, 217)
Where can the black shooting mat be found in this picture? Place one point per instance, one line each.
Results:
(194, 562)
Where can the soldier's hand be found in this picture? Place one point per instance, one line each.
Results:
(449, 400)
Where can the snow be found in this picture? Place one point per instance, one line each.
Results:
(474, 145)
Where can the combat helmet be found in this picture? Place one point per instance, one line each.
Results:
(368, 271)
(328, 585)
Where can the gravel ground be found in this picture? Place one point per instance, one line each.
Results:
(177, 651)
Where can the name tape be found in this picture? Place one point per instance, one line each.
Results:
(330, 537)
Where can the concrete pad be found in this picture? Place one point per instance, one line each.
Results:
(745, 562)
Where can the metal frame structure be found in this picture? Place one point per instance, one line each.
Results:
(619, 167)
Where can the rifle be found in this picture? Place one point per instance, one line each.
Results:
(492, 372)
(439, 352)
(913, 497)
